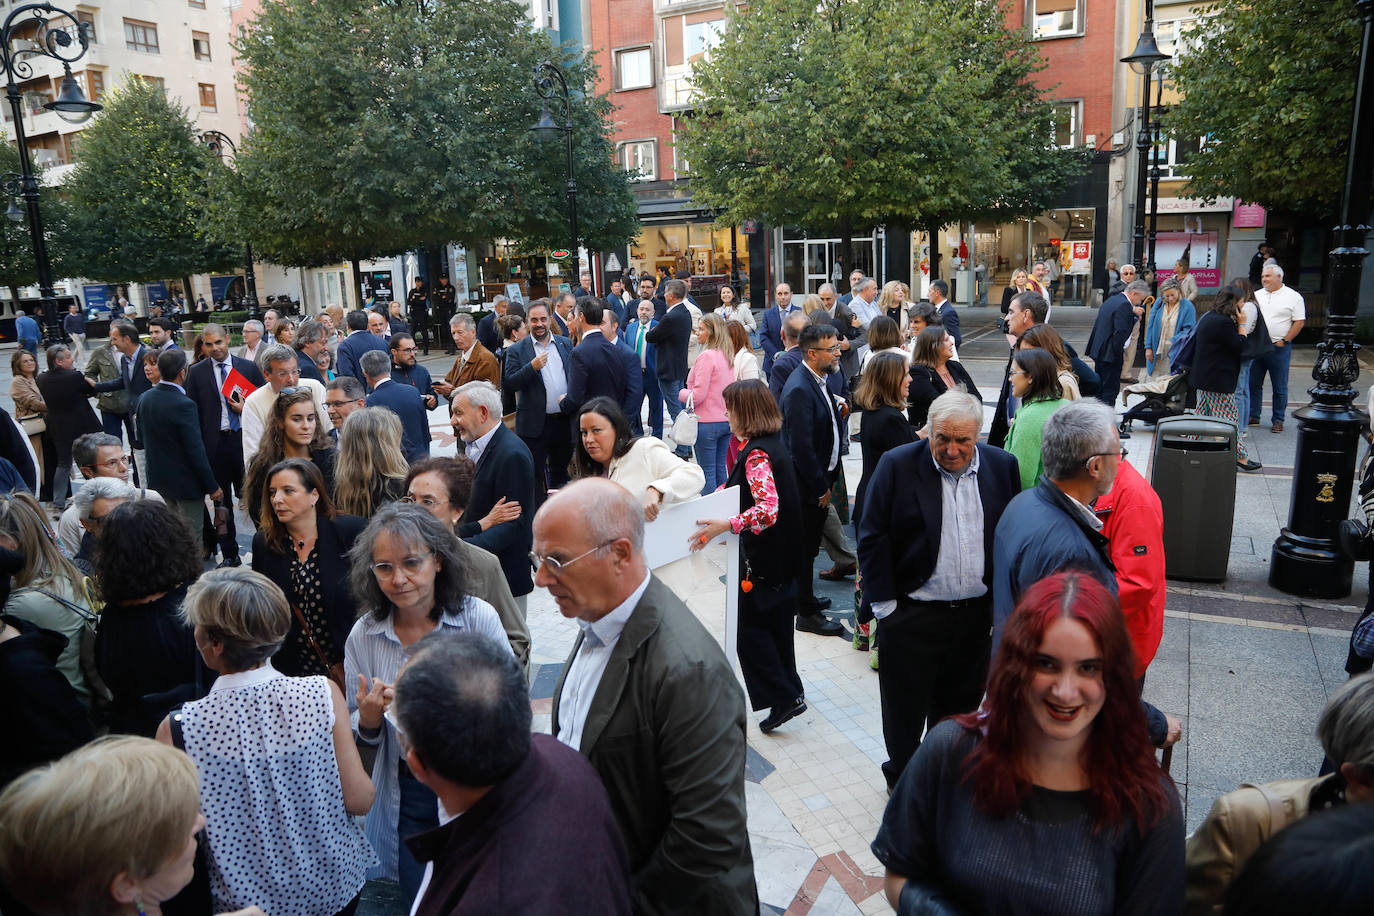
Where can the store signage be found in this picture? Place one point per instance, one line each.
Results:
(1194, 205)
(1247, 216)
(1080, 258)
(559, 253)
(99, 297)
(612, 263)
(750, 227)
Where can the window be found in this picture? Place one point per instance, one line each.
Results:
(88, 19)
(140, 36)
(640, 158)
(1064, 124)
(200, 43)
(1055, 18)
(207, 97)
(95, 84)
(1173, 156)
(152, 80)
(198, 4)
(698, 38)
(634, 68)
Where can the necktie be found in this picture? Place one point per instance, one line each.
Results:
(125, 363)
(223, 377)
(639, 341)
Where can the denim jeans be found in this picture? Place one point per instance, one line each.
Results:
(1275, 363)
(1243, 392)
(713, 440)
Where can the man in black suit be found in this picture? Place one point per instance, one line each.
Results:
(634, 379)
(358, 342)
(811, 425)
(505, 473)
(670, 338)
(169, 427)
(312, 339)
(939, 297)
(1107, 342)
(648, 291)
(220, 428)
(597, 368)
(401, 400)
(536, 371)
(932, 592)
(616, 301)
(488, 335)
(563, 306)
(788, 360)
(770, 328)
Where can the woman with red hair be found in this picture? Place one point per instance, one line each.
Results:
(1048, 799)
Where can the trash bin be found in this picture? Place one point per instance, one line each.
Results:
(1193, 469)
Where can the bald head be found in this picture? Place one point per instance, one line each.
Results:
(592, 535)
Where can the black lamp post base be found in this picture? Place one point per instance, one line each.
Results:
(1306, 559)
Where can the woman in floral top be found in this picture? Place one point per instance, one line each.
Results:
(770, 514)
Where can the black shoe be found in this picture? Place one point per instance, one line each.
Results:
(780, 714)
(820, 604)
(819, 624)
(228, 562)
(1250, 465)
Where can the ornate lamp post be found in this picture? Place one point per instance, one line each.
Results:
(1143, 60)
(546, 74)
(217, 142)
(57, 42)
(1306, 559)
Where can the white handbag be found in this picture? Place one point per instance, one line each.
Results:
(684, 430)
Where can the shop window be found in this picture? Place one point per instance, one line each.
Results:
(140, 36)
(200, 43)
(1064, 124)
(634, 68)
(1055, 18)
(640, 158)
(207, 97)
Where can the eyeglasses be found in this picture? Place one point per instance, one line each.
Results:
(429, 502)
(834, 349)
(116, 462)
(411, 566)
(406, 349)
(556, 566)
(330, 405)
(1122, 454)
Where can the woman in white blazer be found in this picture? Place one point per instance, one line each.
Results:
(646, 466)
(746, 361)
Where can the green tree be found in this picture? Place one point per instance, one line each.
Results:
(853, 113)
(17, 265)
(1271, 85)
(384, 127)
(137, 195)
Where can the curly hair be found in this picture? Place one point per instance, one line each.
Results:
(417, 529)
(369, 454)
(272, 447)
(456, 473)
(145, 549)
(1124, 779)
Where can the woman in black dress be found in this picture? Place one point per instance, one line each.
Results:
(933, 373)
(65, 390)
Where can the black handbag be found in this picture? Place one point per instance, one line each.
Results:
(1352, 534)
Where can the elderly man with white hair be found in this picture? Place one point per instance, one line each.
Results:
(252, 340)
(474, 363)
(1284, 315)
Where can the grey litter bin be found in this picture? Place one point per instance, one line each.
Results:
(1193, 469)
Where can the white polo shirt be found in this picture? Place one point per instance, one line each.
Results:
(1280, 309)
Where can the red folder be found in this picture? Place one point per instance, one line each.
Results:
(235, 381)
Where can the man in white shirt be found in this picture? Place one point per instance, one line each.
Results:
(1284, 314)
(650, 699)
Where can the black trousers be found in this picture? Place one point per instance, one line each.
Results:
(552, 448)
(813, 529)
(767, 657)
(934, 665)
(227, 465)
(1110, 374)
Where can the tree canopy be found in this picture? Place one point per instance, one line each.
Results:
(384, 127)
(1271, 85)
(17, 265)
(137, 195)
(872, 112)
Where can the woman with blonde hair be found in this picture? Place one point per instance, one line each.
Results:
(108, 829)
(812, 304)
(892, 302)
(1020, 281)
(371, 469)
(1045, 337)
(292, 430)
(705, 392)
(745, 361)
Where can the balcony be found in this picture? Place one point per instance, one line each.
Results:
(675, 91)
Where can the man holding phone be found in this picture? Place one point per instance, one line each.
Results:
(216, 384)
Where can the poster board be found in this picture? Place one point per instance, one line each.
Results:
(696, 577)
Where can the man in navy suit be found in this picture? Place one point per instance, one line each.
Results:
(635, 338)
(811, 426)
(634, 379)
(536, 371)
(170, 429)
(221, 429)
(616, 301)
(563, 306)
(597, 369)
(505, 471)
(932, 594)
(789, 359)
(648, 292)
(358, 342)
(671, 336)
(487, 332)
(939, 297)
(312, 339)
(402, 400)
(770, 332)
(1111, 330)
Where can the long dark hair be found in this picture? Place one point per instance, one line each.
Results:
(311, 478)
(583, 465)
(272, 446)
(1044, 375)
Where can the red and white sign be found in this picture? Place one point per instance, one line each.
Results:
(1079, 260)
(1247, 216)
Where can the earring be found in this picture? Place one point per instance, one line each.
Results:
(138, 905)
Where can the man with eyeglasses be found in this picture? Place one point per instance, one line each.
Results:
(342, 396)
(813, 426)
(95, 500)
(97, 456)
(406, 369)
(648, 697)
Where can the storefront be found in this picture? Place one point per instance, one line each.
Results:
(713, 255)
(984, 267)
(1196, 231)
(809, 262)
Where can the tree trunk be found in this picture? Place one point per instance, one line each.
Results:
(188, 293)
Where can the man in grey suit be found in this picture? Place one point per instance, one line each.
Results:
(649, 698)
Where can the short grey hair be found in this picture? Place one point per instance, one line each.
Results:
(309, 332)
(462, 320)
(1073, 434)
(499, 299)
(864, 284)
(242, 609)
(481, 393)
(254, 325)
(675, 288)
(87, 447)
(1274, 267)
(925, 311)
(1346, 726)
(375, 363)
(101, 488)
(956, 405)
(275, 353)
(1169, 284)
(1138, 286)
(825, 286)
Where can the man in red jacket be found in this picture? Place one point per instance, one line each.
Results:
(1133, 522)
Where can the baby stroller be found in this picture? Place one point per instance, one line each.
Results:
(1164, 397)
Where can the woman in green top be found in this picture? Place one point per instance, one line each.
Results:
(1035, 381)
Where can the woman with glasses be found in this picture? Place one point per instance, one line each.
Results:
(934, 370)
(292, 431)
(302, 546)
(1034, 379)
(371, 469)
(409, 580)
(644, 465)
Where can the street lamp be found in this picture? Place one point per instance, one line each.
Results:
(1143, 60)
(71, 105)
(217, 142)
(545, 75)
(1305, 559)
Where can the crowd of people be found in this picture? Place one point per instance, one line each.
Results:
(373, 662)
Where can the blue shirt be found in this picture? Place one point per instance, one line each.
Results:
(25, 328)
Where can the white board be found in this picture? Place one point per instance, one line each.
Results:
(694, 577)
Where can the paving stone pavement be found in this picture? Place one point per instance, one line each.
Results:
(1246, 667)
